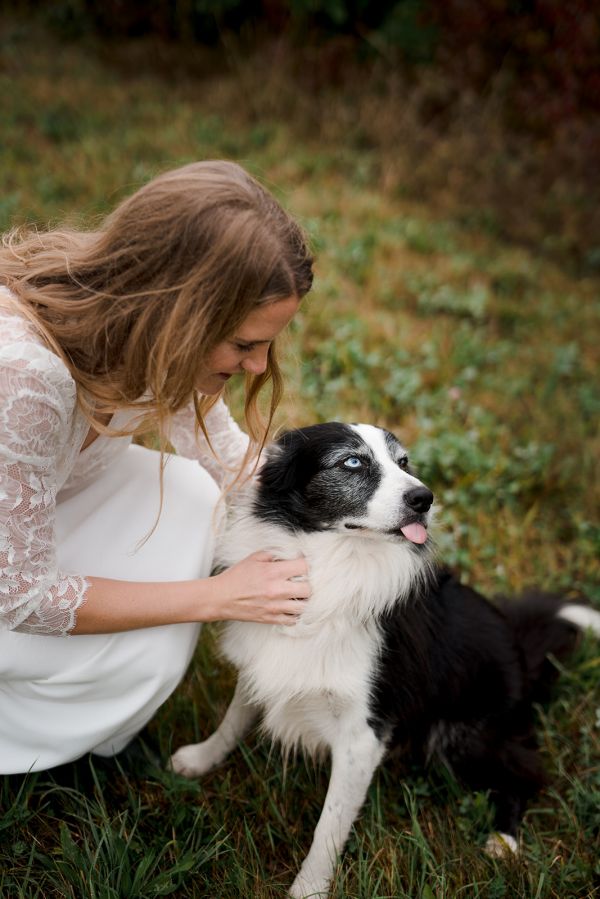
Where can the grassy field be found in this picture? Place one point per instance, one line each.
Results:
(480, 354)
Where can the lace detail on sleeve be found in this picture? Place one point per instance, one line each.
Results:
(228, 441)
(35, 597)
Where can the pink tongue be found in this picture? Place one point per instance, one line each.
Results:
(416, 533)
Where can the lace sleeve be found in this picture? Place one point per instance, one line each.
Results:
(228, 441)
(35, 597)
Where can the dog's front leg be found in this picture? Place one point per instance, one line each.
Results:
(353, 763)
(199, 758)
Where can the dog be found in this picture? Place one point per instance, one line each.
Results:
(391, 649)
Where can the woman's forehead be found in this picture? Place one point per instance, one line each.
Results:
(265, 322)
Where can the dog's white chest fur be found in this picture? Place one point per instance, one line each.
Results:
(310, 677)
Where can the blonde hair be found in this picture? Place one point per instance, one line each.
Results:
(134, 307)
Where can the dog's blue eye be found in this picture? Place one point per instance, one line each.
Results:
(352, 462)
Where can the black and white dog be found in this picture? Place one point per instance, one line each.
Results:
(390, 649)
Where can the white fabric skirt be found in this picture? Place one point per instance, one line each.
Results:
(61, 697)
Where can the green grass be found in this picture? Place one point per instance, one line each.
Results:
(480, 354)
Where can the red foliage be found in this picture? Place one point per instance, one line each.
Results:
(548, 50)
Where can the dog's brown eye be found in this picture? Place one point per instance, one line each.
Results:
(403, 462)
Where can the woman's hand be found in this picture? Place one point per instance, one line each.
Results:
(261, 589)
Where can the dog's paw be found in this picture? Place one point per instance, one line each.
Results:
(302, 888)
(501, 845)
(192, 760)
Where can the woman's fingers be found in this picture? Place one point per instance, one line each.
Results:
(265, 589)
(287, 578)
(293, 568)
(262, 555)
(294, 589)
(287, 567)
(289, 612)
(287, 620)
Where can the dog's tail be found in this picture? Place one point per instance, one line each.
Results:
(582, 616)
(546, 625)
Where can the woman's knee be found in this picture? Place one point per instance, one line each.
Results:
(162, 656)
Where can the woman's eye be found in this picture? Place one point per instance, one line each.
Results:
(353, 462)
(245, 347)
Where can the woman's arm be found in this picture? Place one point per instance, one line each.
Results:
(37, 398)
(256, 589)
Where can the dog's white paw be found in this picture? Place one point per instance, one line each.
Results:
(192, 761)
(302, 888)
(501, 845)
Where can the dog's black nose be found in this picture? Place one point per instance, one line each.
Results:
(419, 499)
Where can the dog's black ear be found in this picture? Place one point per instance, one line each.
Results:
(284, 466)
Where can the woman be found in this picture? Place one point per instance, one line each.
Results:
(105, 551)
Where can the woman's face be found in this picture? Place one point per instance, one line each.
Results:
(246, 350)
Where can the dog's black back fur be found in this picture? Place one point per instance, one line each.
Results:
(457, 680)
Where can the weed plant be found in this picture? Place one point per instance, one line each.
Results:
(480, 354)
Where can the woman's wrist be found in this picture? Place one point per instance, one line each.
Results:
(206, 601)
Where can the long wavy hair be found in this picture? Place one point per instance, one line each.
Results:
(135, 307)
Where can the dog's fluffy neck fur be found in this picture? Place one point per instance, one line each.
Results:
(328, 655)
(357, 576)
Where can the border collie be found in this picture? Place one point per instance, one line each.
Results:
(391, 650)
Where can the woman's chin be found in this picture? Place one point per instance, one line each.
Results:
(212, 384)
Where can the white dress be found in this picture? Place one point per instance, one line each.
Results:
(66, 514)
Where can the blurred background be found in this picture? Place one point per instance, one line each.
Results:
(443, 157)
(490, 108)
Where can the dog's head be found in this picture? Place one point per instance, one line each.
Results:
(343, 478)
